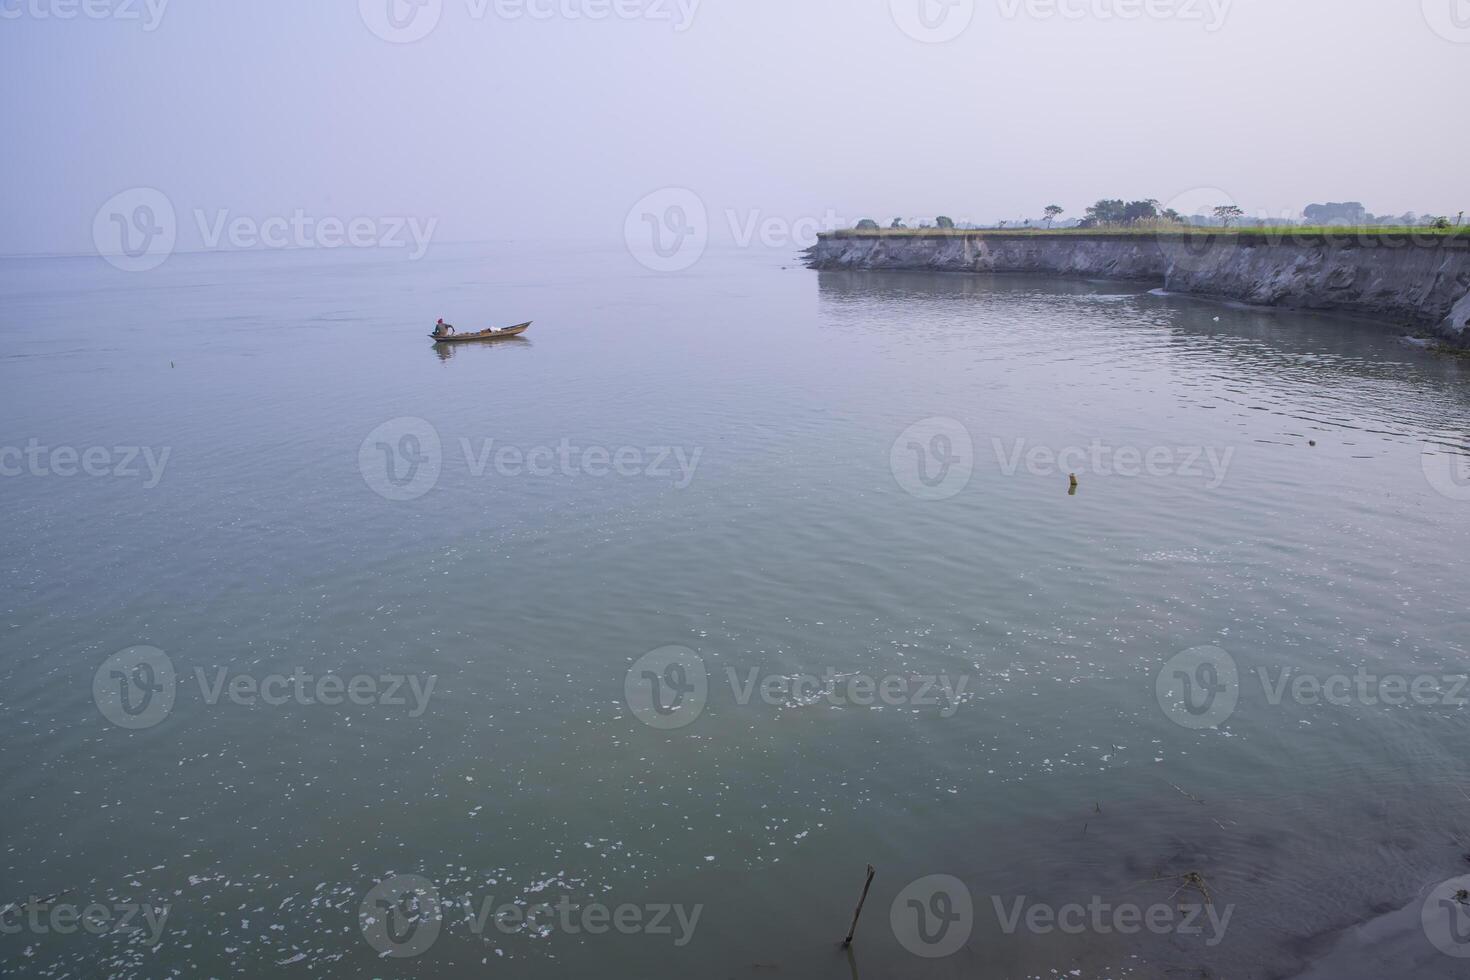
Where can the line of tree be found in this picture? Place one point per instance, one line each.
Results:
(943, 221)
(1118, 213)
(1352, 214)
(1115, 212)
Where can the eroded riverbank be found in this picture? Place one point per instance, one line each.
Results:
(1417, 282)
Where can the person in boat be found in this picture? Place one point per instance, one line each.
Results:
(442, 329)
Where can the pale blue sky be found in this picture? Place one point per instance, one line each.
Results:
(505, 126)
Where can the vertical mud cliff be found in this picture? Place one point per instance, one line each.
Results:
(1413, 281)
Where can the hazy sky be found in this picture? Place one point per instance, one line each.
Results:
(549, 118)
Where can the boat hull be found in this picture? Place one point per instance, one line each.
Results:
(483, 335)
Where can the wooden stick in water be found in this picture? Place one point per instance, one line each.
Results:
(866, 885)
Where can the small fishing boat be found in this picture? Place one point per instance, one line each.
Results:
(469, 338)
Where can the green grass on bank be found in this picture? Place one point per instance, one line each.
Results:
(1250, 233)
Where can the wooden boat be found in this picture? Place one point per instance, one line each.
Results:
(469, 338)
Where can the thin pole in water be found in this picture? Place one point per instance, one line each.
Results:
(866, 885)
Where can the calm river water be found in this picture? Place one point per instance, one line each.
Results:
(720, 587)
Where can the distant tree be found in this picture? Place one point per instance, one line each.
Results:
(1170, 214)
(1228, 213)
(1106, 212)
(1136, 211)
(1002, 224)
(897, 223)
(1460, 219)
(1053, 212)
(867, 224)
(1441, 223)
(944, 222)
(1347, 213)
